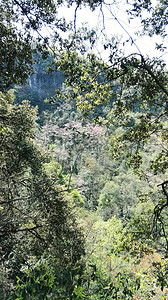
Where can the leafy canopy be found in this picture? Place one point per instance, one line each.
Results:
(37, 216)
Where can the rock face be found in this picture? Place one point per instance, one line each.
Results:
(40, 86)
(45, 84)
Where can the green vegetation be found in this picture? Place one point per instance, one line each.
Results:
(83, 185)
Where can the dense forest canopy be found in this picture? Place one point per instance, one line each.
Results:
(84, 199)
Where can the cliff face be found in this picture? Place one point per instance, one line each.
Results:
(40, 86)
(45, 83)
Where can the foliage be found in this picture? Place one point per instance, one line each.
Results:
(141, 221)
(135, 82)
(135, 85)
(36, 217)
(41, 242)
(22, 34)
(156, 20)
(42, 283)
(111, 271)
(133, 94)
(45, 280)
(120, 196)
(79, 148)
(162, 275)
(18, 20)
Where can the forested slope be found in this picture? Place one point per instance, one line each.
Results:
(83, 179)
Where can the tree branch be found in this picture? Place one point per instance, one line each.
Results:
(75, 14)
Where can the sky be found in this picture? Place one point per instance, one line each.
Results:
(116, 23)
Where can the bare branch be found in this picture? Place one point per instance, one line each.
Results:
(164, 190)
(158, 210)
(117, 20)
(75, 16)
(29, 228)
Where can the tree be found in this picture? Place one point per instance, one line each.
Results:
(19, 22)
(37, 218)
(120, 196)
(23, 27)
(79, 148)
(35, 210)
(156, 22)
(136, 84)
